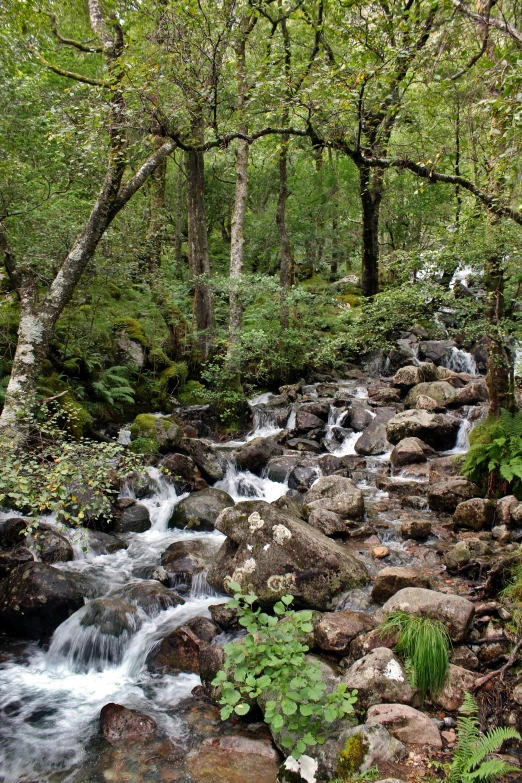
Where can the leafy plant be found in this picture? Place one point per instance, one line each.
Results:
(270, 665)
(360, 777)
(113, 387)
(423, 643)
(496, 446)
(470, 763)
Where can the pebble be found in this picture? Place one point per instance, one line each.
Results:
(380, 552)
(449, 737)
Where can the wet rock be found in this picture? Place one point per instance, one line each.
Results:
(400, 488)
(182, 472)
(304, 445)
(446, 494)
(11, 559)
(112, 616)
(256, 454)
(211, 660)
(327, 522)
(441, 391)
(379, 677)
(36, 598)
(185, 559)
(165, 430)
(445, 467)
(394, 578)
(337, 494)
(503, 510)
(471, 394)
(405, 724)
(200, 510)
(454, 611)
(131, 517)
(12, 532)
(105, 544)
(461, 553)
(464, 657)
(302, 478)
(273, 553)
(305, 421)
(225, 616)
(180, 649)
(409, 451)
(118, 723)
(418, 529)
(335, 630)
(233, 759)
(151, 596)
(474, 514)
(359, 418)
(204, 454)
(459, 682)
(425, 403)
(279, 468)
(373, 441)
(380, 552)
(436, 429)
(328, 464)
(435, 350)
(51, 546)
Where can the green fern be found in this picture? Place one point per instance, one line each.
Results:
(113, 387)
(423, 643)
(496, 445)
(470, 764)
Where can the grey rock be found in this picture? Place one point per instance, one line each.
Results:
(454, 611)
(200, 510)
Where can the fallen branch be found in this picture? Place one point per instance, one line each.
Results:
(510, 661)
(56, 397)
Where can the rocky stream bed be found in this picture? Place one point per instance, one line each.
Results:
(346, 493)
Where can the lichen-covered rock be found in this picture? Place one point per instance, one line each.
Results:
(335, 630)
(405, 724)
(445, 495)
(185, 559)
(337, 494)
(354, 750)
(37, 598)
(504, 507)
(471, 394)
(200, 510)
(440, 391)
(327, 522)
(454, 611)
(11, 559)
(474, 514)
(273, 553)
(394, 578)
(379, 677)
(436, 429)
(463, 552)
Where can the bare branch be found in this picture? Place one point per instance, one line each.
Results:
(491, 21)
(70, 41)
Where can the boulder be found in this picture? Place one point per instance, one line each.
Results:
(464, 657)
(459, 682)
(164, 430)
(358, 418)
(11, 559)
(335, 630)
(407, 377)
(279, 468)
(305, 421)
(504, 507)
(383, 395)
(337, 494)
(516, 515)
(463, 552)
(379, 677)
(112, 616)
(409, 451)
(185, 559)
(256, 454)
(180, 649)
(436, 429)
(327, 522)
(272, 553)
(200, 510)
(131, 517)
(425, 403)
(373, 441)
(435, 350)
(36, 598)
(446, 494)
(105, 544)
(302, 478)
(405, 724)
(204, 454)
(12, 532)
(471, 394)
(417, 529)
(233, 758)
(454, 611)
(152, 597)
(394, 578)
(445, 467)
(183, 472)
(441, 391)
(51, 546)
(474, 514)
(118, 723)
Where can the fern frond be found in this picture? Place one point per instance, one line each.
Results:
(490, 771)
(491, 742)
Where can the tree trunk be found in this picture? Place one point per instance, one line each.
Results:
(370, 188)
(198, 247)
(236, 246)
(500, 376)
(287, 263)
(179, 216)
(334, 200)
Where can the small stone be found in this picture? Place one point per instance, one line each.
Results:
(501, 534)
(418, 529)
(119, 723)
(335, 630)
(380, 552)
(394, 578)
(517, 694)
(449, 737)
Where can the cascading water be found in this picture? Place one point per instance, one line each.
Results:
(244, 485)
(50, 700)
(460, 361)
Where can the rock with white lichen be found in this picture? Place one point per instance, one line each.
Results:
(271, 553)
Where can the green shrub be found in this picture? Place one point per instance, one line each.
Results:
(144, 446)
(423, 643)
(191, 393)
(496, 446)
(470, 763)
(270, 664)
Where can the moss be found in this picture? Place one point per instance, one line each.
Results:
(144, 446)
(191, 393)
(133, 329)
(113, 290)
(173, 377)
(351, 757)
(159, 359)
(143, 426)
(79, 421)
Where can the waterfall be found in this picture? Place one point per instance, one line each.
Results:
(244, 485)
(460, 361)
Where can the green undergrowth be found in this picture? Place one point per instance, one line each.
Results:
(496, 446)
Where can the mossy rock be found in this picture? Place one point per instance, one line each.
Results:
(351, 757)
(144, 446)
(133, 329)
(173, 376)
(191, 393)
(164, 430)
(158, 359)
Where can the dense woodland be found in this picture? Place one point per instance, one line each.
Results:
(240, 239)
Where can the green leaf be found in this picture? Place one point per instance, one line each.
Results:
(287, 599)
(241, 709)
(277, 722)
(288, 706)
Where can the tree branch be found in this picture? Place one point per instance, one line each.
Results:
(68, 74)
(11, 268)
(491, 21)
(71, 42)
